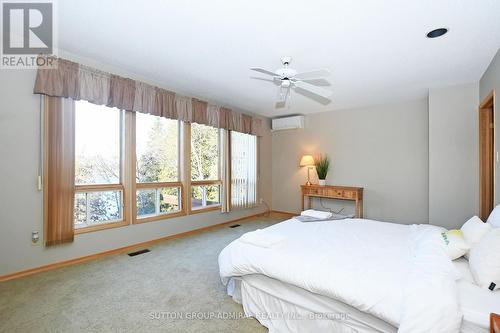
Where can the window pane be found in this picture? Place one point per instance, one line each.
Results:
(104, 206)
(205, 196)
(96, 208)
(80, 213)
(146, 202)
(169, 199)
(97, 144)
(204, 152)
(157, 201)
(156, 148)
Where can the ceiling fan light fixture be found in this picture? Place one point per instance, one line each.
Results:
(437, 32)
(285, 83)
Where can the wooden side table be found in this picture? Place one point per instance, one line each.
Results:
(334, 192)
(494, 323)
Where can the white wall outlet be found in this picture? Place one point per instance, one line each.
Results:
(261, 201)
(35, 238)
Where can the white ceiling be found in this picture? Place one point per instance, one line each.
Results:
(376, 50)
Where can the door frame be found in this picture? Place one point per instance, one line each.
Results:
(487, 156)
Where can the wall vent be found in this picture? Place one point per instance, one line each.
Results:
(235, 226)
(136, 253)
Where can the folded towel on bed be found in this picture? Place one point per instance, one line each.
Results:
(316, 214)
(262, 238)
(305, 218)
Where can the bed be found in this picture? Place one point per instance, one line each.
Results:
(355, 276)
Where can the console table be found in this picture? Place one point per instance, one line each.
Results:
(334, 192)
(494, 323)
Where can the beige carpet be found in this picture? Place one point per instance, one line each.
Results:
(146, 293)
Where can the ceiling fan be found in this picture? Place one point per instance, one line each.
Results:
(287, 78)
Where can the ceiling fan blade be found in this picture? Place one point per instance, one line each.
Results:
(263, 71)
(318, 74)
(315, 90)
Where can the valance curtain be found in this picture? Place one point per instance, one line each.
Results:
(71, 80)
(59, 170)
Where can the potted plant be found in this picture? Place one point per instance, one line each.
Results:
(322, 164)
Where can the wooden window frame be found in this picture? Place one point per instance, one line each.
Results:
(157, 185)
(123, 185)
(128, 184)
(190, 183)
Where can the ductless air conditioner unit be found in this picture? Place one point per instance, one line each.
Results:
(288, 123)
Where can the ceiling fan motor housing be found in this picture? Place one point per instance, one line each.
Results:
(286, 73)
(286, 60)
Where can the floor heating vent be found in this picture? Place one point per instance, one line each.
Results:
(136, 253)
(235, 226)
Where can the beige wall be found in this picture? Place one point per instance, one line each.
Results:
(489, 82)
(383, 149)
(453, 155)
(21, 202)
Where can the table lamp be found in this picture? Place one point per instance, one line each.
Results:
(308, 161)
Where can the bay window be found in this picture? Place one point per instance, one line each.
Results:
(155, 167)
(135, 153)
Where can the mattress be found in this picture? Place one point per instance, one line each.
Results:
(282, 307)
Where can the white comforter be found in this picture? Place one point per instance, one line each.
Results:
(398, 273)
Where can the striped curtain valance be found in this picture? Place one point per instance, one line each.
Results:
(79, 82)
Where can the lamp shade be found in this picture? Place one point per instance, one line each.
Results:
(306, 160)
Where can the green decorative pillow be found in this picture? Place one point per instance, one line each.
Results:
(454, 242)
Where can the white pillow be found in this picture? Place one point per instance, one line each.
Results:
(454, 243)
(484, 260)
(474, 230)
(494, 218)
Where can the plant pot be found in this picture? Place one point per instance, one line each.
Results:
(322, 182)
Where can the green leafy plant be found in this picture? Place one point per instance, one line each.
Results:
(322, 164)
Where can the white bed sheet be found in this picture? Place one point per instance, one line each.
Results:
(276, 305)
(274, 302)
(407, 280)
(476, 303)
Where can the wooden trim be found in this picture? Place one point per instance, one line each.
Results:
(494, 318)
(488, 101)
(205, 209)
(158, 185)
(99, 188)
(126, 163)
(133, 171)
(187, 166)
(140, 220)
(69, 262)
(487, 174)
(103, 226)
(206, 182)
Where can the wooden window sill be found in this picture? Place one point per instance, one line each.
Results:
(101, 227)
(205, 209)
(159, 217)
